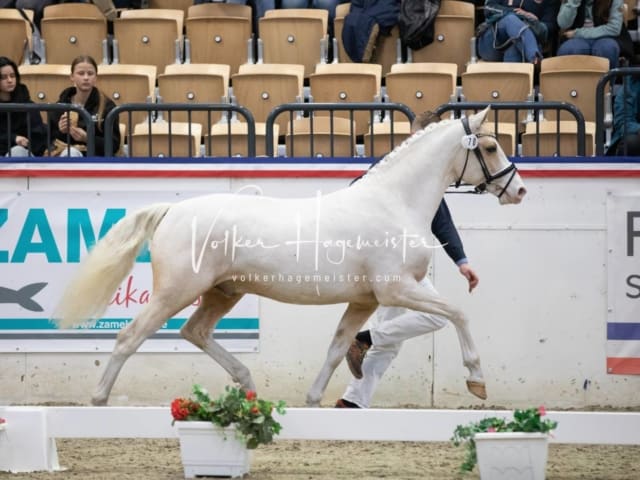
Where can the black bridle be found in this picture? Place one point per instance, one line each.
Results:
(470, 142)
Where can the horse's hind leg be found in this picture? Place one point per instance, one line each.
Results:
(352, 319)
(198, 328)
(146, 323)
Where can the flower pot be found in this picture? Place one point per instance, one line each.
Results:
(512, 455)
(209, 450)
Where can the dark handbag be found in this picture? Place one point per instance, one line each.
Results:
(416, 22)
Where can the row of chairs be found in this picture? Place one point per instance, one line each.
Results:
(261, 87)
(222, 33)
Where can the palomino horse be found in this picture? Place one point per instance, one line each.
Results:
(366, 245)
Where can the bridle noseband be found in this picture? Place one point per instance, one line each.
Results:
(474, 145)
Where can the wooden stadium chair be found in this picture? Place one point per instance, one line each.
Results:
(149, 37)
(232, 140)
(16, 35)
(454, 29)
(172, 4)
(45, 82)
(499, 82)
(547, 135)
(348, 83)
(197, 84)
(339, 53)
(331, 137)
(262, 87)
(73, 29)
(294, 36)
(572, 79)
(128, 84)
(384, 139)
(164, 139)
(421, 86)
(219, 33)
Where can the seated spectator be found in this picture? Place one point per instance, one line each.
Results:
(626, 119)
(22, 134)
(68, 128)
(591, 27)
(516, 32)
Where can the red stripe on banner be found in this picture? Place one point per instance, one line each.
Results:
(623, 365)
(183, 173)
(579, 173)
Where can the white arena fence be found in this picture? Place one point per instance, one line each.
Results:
(28, 441)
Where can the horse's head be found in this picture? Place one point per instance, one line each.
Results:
(485, 164)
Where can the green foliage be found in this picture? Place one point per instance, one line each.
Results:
(251, 416)
(529, 420)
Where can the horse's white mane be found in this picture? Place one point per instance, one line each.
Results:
(389, 158)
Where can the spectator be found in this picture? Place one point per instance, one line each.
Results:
(517, 32)
(22, 134)
(68, 128)
(591, 27)
(626, 119)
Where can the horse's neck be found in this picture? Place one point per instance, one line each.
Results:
(418, 180)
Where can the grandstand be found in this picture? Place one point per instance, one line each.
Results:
(152, 49)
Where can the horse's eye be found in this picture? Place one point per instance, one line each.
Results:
(492, 148)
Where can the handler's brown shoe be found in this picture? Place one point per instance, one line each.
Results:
(342, 403)
(355, 356)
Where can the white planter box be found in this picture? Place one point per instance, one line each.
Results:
(512, 456)
(210, 450)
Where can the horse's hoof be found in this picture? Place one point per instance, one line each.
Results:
(477, 388)
(98, 402)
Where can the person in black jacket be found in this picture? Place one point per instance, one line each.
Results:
(68, 128)
(373, 350)
(22, 134)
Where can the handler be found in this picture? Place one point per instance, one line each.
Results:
(373, 350)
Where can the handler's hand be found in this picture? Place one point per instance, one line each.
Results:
(569, 34)
(468, 273)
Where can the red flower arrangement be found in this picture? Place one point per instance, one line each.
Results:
(252, 416)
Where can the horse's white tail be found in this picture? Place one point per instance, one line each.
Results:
(101, 272)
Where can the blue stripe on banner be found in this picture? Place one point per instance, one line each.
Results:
(623, 331)
(117, 323)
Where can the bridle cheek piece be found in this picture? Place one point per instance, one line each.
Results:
(470, 142)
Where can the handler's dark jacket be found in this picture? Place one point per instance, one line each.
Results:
(98, 106)
(25, 124)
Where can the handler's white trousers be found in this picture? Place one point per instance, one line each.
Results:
(391, 326)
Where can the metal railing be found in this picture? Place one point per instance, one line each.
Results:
(155, 116)
(6, 109)
(608, 78)
(377, 111)
(532, 111)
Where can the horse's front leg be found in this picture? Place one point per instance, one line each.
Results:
(418, 296)
(201, 323)
(353, 318)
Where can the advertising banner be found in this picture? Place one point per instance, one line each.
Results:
(44, 236)
(623, 322)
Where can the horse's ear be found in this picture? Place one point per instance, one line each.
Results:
(478, 118)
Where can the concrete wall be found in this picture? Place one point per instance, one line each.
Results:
(538, 316)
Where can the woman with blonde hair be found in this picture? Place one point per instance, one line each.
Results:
(68, 128)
